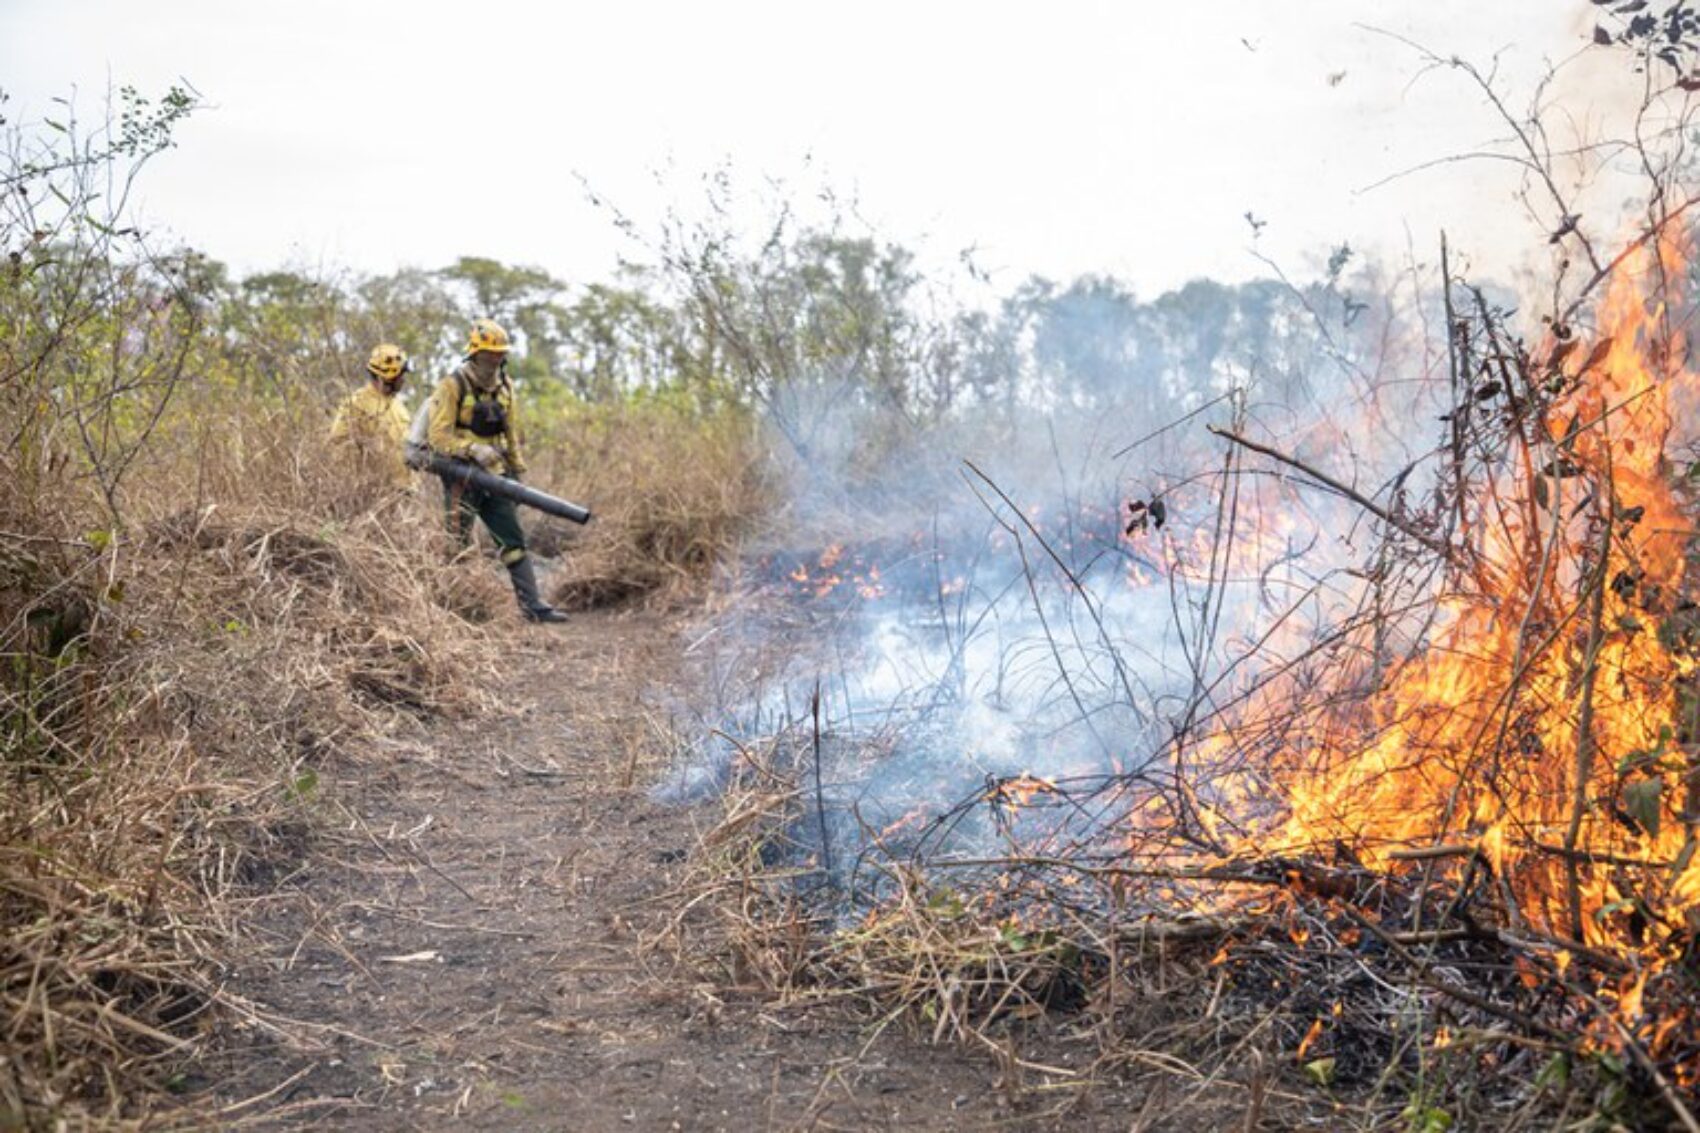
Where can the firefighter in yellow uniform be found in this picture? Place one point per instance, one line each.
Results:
(373, 420)
(474, 416)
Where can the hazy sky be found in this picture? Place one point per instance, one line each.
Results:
(1059, 138)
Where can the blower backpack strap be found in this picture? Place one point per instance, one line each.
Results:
(416, 446)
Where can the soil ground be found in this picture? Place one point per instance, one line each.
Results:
(463, 945)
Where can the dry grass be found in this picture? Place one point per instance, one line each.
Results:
(173, 689)
(674, 493)
(180, 688)
(1265, 995)
(947, 963)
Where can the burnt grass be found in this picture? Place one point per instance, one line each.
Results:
(469, 944)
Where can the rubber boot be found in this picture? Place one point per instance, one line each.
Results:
(531, 603)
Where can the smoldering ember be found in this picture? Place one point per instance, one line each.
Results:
(798, 679)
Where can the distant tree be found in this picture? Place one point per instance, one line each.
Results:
(988, 359)
(281, 288)
(1091, 345)
(416, 310)
(808, 325)
(620, 337)
(521, 299)
(499, 291)
(282, 332)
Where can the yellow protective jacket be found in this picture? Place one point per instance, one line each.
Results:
(453, 403)
(376, 426)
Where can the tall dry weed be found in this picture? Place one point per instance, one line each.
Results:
(174, 685)
(674, 491)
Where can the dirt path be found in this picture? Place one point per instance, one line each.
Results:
(469, 954)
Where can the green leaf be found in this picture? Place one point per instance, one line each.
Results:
(1426, 1119)
(99, 539)
(1683, 857)
(304, 785)
(947, 903)
(1556, 1072)
(1643, 801)
(1320, 1071)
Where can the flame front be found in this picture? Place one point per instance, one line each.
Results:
(1541, 723)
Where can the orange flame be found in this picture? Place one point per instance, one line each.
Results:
(1537, 723)
(1013, 794)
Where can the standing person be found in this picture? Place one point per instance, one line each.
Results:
(373, 420)
(474, 417)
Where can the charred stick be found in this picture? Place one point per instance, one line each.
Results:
(1430, 853)
(1027, 574)
(1423, 976)
(1457, 355)
(1603, 272)
(1435, 936)
(1532, 137)
(1068, 574)
(820, 791)
(1322, 478)
(1678, 1109)
(1285, 873)
(1584, 765)
(1594, 857)
(1176, 423)
(1537, 944)
(1227, 508)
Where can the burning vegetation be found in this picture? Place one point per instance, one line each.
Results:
(1542, 727)
(1397, 797)
(1303, 725)
(1523, 773)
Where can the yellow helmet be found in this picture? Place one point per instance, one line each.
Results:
(487, 335)
(387, 362)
